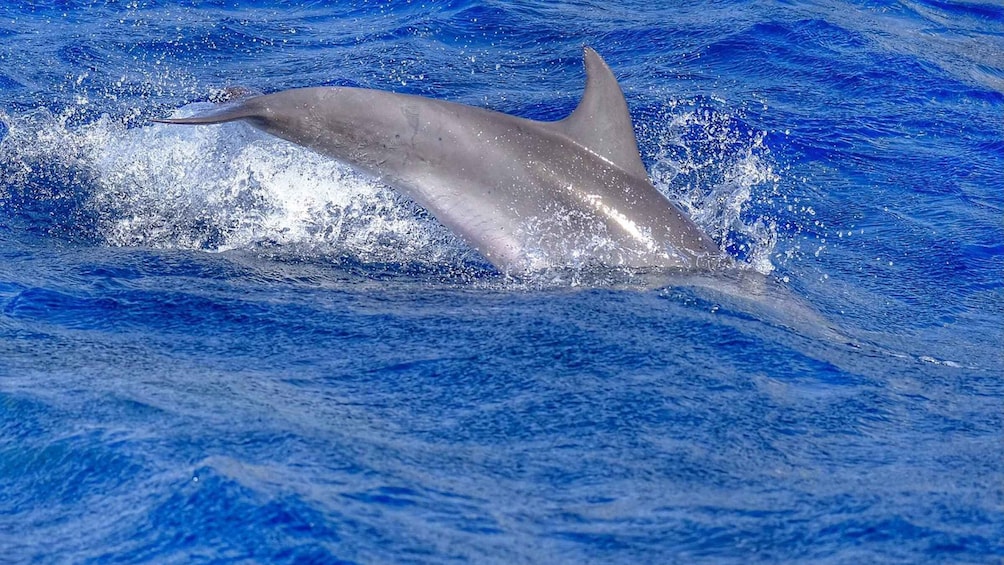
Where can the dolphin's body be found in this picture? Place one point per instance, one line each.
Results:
(526, 194)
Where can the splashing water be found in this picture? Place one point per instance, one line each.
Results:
(214, 188)
(231, 187)
(721, 175)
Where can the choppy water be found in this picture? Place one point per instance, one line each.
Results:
(217, 347)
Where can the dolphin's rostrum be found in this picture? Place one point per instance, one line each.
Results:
(526, 194)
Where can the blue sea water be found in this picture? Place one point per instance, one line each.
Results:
(216, 347)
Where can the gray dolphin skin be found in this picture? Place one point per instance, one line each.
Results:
(527, 195)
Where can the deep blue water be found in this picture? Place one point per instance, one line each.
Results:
(217, 347)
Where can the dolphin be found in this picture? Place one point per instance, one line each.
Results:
(528, 195)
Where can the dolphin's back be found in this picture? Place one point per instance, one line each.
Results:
(526, 194)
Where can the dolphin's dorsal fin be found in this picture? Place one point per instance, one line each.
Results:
(601, 121)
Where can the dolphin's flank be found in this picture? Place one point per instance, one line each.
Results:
(526, 194)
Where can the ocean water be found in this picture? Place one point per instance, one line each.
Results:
(216, 347)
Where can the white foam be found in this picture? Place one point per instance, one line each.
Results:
(218, 188)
